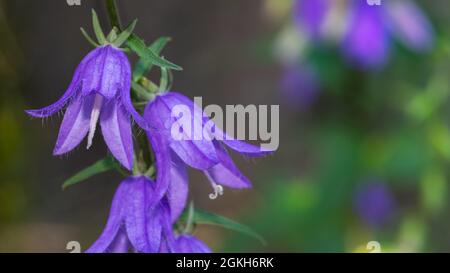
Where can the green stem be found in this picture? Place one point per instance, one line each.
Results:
(113, 14)
(142, 94)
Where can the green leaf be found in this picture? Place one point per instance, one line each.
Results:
(137, 45)
(112, 36)
(97, 28)
(88, 38)
(204, 217)
(144, 66)
(103, 165)
(124, 35)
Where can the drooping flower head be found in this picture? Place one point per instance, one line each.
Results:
(99, 92)
(136, 222)
(207, 154)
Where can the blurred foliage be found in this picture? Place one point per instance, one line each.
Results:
(12, 153)
(392, 124)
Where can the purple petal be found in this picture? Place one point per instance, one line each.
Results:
(198, 154)
(75, 124)
(116, 129)
(55, 107)
(410, 25)
(366, 41)
(106, 73)
(70, 92)
(238, 145)
(121, 244)
(310, 15)
(114, 222)
(92, 73)
(154, 228)
(177, 193)
(165, 222)
(190, 244)
(163, 164)
(113, 75)
(226, 173)
(125, 94)
(246, 149)
(164, 247)
(137, 212)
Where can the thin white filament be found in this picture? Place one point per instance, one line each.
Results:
(218, 190)
(98, 102)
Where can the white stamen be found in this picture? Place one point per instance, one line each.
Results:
(98, 102)
(218, 190)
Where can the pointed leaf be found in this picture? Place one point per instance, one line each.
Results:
(103, 165)
(97, 28)
(88, 38)
(138, 46)
(112, 36)
(208, 218)
(124, 35)
(144, 66)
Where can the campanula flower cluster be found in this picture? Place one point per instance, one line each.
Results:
(147, 204)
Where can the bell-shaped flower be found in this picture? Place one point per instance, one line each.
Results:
(99, 92)
(135, 221)
(207, 154)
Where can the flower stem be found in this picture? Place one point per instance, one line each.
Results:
(113, 14)
(142, 157)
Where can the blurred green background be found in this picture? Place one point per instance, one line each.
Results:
(363, 155)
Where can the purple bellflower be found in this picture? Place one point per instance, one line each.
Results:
(369, 29)
(374, 203)
(135, 222)
(99, 91)
(206, 154)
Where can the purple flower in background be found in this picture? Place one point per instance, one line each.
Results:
(299, 86)
(135, 221)
(366, 41)
(311, 15)
(99, 91)
(374, 203)
(369, 29)
(410, 25)
(206, 154)
(190, 244)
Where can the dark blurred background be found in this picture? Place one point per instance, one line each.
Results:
(363, 155)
